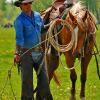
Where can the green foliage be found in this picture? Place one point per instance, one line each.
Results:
(8, 12)
(41, 4)
(3, 6)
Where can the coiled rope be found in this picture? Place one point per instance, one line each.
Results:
(56, 45)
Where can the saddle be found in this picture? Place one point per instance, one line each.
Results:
(52, 12)
(55, 10)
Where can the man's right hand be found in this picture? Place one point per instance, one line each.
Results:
(17, 58)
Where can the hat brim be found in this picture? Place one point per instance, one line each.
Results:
(18, 3)
(27, 1)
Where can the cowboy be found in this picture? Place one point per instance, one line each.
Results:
(28, 26)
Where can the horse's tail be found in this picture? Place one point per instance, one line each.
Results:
(55, 78)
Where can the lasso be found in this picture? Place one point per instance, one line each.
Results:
(55, 44)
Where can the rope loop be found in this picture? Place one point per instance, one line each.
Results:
(56, 45)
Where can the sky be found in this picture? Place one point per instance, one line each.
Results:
(9, 1)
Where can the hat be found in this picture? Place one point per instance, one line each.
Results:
(19, 2)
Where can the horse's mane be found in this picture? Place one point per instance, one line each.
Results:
(94, 18)
(79, 9)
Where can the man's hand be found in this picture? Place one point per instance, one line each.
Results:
(17, 58)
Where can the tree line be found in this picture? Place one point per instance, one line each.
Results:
(8, 12)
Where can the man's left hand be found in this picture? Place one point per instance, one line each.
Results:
(17, 58)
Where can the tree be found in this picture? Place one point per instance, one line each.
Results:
(8, 12)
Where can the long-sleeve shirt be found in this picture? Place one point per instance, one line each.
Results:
(28, 29)
(28, 32)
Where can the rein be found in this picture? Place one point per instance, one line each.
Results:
(37, 45)
(95, 55)
(98, 72)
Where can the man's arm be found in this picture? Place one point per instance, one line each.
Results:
(19, 40)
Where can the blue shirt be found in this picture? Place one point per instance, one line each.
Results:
(28, 29)
(28, 32)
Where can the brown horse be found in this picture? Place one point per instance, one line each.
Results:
(81, 23)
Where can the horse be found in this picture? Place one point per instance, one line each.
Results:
(80, 25)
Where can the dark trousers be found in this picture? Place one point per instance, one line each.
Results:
(43, 90)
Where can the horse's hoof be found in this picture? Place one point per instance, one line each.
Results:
(72, 97)
(83, 98)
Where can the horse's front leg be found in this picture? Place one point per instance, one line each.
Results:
(73, 76)
(84, 65)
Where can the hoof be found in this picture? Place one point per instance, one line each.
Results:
(72, 98)
(83, 98)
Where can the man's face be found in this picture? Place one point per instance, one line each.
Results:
(26, 7)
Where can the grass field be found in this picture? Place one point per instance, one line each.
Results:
(7, 47)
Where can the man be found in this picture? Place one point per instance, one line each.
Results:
(28, 27)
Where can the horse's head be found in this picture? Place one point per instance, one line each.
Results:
(80, 32)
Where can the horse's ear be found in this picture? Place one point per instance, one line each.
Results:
(72, 17)
(85, 16)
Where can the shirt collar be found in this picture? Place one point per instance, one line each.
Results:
(26, 15)
(31, 19)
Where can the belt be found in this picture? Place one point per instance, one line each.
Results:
(36, 49)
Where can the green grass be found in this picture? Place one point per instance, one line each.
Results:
(7, 48)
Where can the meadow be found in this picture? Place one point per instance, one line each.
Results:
(13, 85)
